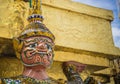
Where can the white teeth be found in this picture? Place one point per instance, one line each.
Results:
(42, 54)
(49, 51)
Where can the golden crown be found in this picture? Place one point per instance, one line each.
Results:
(34, 28)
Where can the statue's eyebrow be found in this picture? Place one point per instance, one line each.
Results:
(32, 40)
(29, 42)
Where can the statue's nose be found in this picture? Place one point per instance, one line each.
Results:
(41, 46)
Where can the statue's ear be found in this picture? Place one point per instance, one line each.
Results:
(17, 44)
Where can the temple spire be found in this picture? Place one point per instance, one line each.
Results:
(35, 11)
(35, 7)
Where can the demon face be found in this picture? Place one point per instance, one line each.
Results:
(37, 51)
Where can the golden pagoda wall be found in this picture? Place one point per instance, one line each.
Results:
(83, 33)
(75, 25)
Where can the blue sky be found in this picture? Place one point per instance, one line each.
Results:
(111, 5)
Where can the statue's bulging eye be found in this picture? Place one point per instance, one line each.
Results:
(33, 45)
(48, 46)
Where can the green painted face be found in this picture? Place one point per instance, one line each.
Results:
(37, 51)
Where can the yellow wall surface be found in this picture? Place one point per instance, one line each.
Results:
(82, 32)
(74, 25)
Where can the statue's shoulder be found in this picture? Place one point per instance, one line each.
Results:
(27, 80)
(11, 80)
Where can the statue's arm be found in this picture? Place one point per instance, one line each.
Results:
(72, 73)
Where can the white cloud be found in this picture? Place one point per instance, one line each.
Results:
(116, 32)
(116, 36)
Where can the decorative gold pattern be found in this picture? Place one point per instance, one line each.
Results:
(35, 12)
(34, 28)
(26, 80)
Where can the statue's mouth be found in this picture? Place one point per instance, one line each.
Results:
(42, 53)
(29, 54)
(32, 57)
(42, 57)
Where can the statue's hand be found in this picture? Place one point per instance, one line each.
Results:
(79, 67)
(71, 70)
